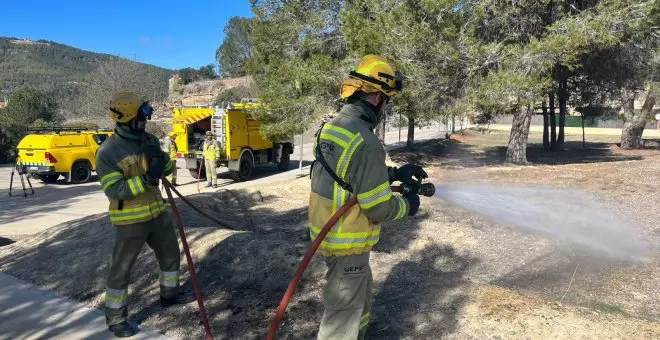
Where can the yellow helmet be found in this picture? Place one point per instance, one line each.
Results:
(124, 106)
(372, 74)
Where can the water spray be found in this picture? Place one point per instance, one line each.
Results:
(570, 215)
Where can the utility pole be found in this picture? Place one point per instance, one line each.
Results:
(399, 126)
(301, 152)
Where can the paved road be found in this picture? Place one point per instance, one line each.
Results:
(30, 312)
(589, 131)
(55, 203)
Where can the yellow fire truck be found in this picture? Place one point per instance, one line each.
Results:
(238, 133)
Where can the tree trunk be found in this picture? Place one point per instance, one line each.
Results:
(516, 151)
(563, 100)
(411, 132)
(546, 130)
(633, 129)
(553, 121)
(453, 123)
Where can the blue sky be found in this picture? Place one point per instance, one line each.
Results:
(171, 34)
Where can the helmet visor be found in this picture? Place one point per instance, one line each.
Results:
(145, 111)
(398, 81)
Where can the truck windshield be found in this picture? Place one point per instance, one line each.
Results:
(99, 138)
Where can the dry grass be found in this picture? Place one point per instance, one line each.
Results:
(444, 273)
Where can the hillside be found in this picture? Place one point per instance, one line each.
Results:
(204, 92)
(58, 69)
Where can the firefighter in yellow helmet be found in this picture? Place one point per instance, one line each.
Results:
(350, 160)
(172, 150)
(210, 151)
(129, 165)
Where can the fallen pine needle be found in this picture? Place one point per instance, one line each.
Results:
(569, 284)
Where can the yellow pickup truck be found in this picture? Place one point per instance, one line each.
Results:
(47, 153)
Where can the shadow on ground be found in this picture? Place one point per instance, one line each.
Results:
(424, 291)
(453, 154)
(422, 296)
(5, 241)
(244, 273)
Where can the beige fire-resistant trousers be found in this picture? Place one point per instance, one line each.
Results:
(347, 298)
(211, 172)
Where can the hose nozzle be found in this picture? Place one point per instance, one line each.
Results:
(424, 189)
(427, 189)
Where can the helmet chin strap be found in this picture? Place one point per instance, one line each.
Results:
(137, 125)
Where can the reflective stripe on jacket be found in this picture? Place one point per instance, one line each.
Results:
(358, 158)
(172, 150)
(210, 149)
(121, 165)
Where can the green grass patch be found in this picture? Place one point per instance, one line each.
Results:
(605, 307)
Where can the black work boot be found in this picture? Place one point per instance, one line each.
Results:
(123, 330)
(181, 298)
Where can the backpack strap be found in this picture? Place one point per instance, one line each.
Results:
(326, 166)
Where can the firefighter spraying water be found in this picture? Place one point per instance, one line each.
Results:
(351, 195)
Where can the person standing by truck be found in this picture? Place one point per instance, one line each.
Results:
(210, 152)
(172, 150)
(129, 166)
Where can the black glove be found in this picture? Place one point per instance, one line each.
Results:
(413, 200)
(156, 168)
(405, 173)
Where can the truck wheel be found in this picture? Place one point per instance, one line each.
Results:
(284, 162)
(50, 178)
(245, 168)
(81, 172)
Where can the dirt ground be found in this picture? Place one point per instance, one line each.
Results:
(445, 273)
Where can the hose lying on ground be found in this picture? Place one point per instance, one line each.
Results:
(185, 200)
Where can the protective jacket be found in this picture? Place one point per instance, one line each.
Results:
(210, 149)
(121, 164)
(357, 157)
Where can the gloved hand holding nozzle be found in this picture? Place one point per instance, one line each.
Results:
(411, 191)
(406, 173)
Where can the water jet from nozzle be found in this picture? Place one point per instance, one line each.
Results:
(565, 214)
